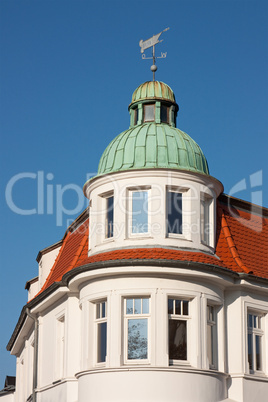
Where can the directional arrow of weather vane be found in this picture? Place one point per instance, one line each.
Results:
(151, 42)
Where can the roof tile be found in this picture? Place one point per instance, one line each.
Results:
(242, 246)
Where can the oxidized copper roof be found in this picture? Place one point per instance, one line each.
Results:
(153, 145)
(153, 90)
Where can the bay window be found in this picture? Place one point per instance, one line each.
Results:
(136, 316)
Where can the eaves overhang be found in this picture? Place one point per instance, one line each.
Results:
(203, 267)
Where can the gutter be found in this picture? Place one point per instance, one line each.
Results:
(35, 362)
(126, 263)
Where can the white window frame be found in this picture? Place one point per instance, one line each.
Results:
(127, 318)
(130, 192)
(179, 317)
(97, 322)
(258, 331)
(207, 219)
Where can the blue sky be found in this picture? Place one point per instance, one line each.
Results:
(67, 73)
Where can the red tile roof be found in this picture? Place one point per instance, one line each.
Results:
(242, 246)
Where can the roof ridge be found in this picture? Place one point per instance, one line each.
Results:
(231, 244)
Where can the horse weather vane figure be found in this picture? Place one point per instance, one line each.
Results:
(145, 44)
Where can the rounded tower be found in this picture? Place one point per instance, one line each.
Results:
(152, 220)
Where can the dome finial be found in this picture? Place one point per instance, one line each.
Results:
(151, 42)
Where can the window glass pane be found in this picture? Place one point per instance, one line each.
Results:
(177, 340)
(178, 307)
(140, 212)
(250, 320)
(164, 113)
(250, 351)
(137, 306)
(210, 313)
(258, 352)
(103, 309)
(148, 112)
(136, 116)
(174, 212)
(210, 344)
(102, 342)
(98, 310)
(204, 221)
(145, 306)
(137, 339)
(185, 307)
(129, 306)
(110, 217)
(170, 306)
(255, 321)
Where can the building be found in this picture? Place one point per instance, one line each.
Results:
(159, 290)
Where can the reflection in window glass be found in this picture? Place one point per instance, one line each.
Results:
(137, 339)
(145, 306)
(177, 340)
(129, 306)
(139, 212)
(137, 303)
(137, 315)
(174, 212)
(148, 113)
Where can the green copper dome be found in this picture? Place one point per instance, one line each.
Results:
(153, 145)
(153, 141)
(153, 90)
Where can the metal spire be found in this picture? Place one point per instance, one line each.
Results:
(151, 42)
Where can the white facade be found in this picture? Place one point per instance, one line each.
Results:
(142, 329)
(68, 369)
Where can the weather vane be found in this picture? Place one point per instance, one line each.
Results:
(145, 44)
